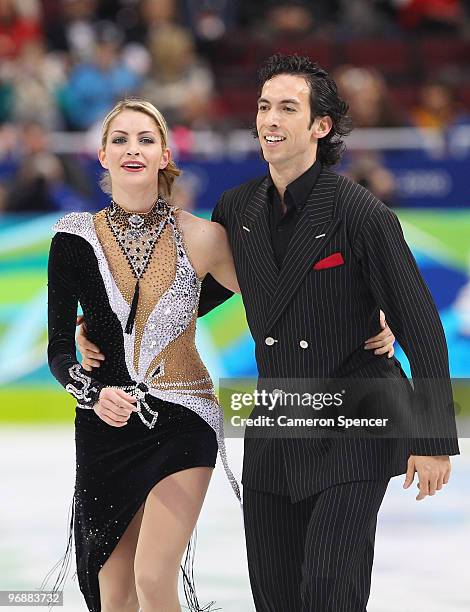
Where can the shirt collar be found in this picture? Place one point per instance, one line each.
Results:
(299, 189)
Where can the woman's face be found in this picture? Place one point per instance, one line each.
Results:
(133, 152)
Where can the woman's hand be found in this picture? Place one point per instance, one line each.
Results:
(115, 406)
(90, 352)
(383, 342)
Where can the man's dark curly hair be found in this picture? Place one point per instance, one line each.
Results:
(324, 100)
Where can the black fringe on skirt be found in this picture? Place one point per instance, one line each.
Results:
(62, 567)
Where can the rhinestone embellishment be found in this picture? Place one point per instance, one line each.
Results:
(136, 234)
(80, 394)
(136, 222)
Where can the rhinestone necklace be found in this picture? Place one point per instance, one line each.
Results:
(137, 235)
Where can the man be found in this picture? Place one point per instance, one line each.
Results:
(317, 257)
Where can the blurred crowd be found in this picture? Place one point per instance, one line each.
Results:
(64, 63)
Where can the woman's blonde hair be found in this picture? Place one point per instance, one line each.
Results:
(166, 176)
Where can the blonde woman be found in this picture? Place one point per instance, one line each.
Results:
(148, 425)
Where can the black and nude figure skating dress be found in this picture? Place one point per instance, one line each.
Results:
(139, 294)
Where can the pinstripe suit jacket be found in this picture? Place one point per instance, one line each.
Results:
(333, 311)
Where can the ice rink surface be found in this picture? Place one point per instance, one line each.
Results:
(422, 559)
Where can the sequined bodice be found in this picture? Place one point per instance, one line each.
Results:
(161, 350)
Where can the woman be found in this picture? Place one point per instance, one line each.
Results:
(148, 425)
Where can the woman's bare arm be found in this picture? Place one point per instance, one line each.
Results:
(208, 249)
(220, 261)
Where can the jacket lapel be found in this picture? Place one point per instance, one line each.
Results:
(307, 242)
(256, 238)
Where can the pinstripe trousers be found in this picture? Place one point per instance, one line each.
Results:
(314, 555)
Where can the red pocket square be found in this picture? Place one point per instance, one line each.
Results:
(329, 262)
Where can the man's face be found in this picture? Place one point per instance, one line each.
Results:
(283, 122)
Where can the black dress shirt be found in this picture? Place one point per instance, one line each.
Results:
(282, 224)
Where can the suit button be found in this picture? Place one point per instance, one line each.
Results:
(270, 341)
(303, 344)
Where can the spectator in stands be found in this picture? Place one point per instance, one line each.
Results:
(6, 98)
(94, 86)
(71, 27)
(185, 189)
(159, 13)
(362, 18)
(154, 15)
(35, 79)
(366, 92)
(3, 198)
(8, 144)
(179, 84)
(17, 28)
(7, 147)
(209, 19)
(438, 107)
(368, 170)
(431, 16)
(45, 181)
(288, 18)
(291, 13)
